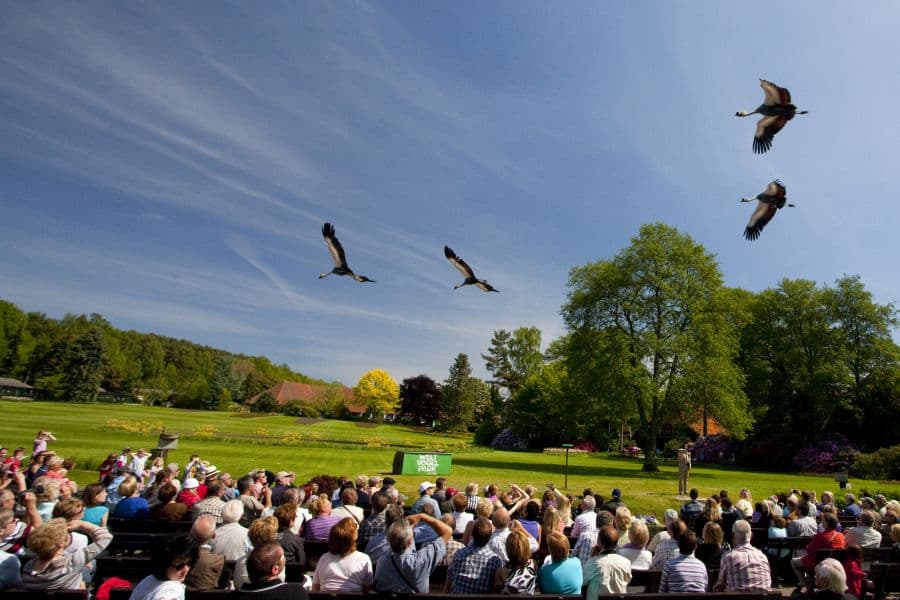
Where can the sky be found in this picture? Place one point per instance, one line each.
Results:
(169, 165)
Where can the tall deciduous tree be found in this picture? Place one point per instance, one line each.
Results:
(644, 328)
(379, 391)
(513, 357)
(84, 364)
(420, 398)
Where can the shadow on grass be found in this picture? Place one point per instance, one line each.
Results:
(555, 465)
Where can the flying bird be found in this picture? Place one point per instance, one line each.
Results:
(467, 272)
(337, 255)
(776, 110)
(768, 203)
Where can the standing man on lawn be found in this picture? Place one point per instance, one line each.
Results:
(684, 468)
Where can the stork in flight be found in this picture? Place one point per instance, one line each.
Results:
(768, 203)
(776, 110)
(467, 272)
(337, 255)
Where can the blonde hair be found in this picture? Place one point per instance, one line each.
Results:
(713, 534)
(263, 530)
(518, 549)
(320, 504)
(485, 508)
(128, 487)
(638, 534)
(623, 518)
(472, 489)
(895, 532)
(68, 509)
(49, 538)
(51, 489)
(551, 520)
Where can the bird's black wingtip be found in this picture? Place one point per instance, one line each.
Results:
(448, 252)
(327, 229)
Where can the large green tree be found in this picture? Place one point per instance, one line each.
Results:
(459, 396)
(420, 398)
(651, 329)
(378, 390)
(84, 363)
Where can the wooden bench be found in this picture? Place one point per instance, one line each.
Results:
(886, 579)
(137, 526)
(135, 568)
(57, 595)
(648, 580)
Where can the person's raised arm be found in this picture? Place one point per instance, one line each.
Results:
(442, 529)
(32, 516)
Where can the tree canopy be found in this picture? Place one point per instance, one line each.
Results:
(380, 393)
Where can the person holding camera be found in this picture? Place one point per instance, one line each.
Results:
(52, 568)
(15, 530)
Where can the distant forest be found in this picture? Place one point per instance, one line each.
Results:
(78, 358)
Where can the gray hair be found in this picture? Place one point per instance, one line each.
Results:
(204, 528)
(392, 514)
(830, 576)
(867, 518)
(400, 536)
(670, 516)
(589, 503)
(741, 532)
(232, 511)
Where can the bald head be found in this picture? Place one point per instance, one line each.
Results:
(204, 529)
(500, 518)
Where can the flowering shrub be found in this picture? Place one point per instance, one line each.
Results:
(374, 441)
(142, 427)
(819, 457)
(291, 438)
(507, 440)
(709, 449)
(261, 431)
(587, 446)
(206, 432)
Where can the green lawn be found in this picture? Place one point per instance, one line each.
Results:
(89, 432)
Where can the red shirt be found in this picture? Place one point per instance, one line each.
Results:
(826, 539)
(855, 577)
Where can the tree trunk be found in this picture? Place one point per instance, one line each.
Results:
(651, 463)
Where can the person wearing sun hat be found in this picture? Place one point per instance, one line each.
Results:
(426, 489)
(188, 494)
(283, 481)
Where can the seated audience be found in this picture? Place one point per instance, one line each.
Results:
(518, 574)
(10, 575)
(453, 546)
(166, 507)
(668, 549)
(291, 543)
(131, 505)
(744, 505)
(171, 558)
(484, 510)
(207, 569)
(47, 492)
(692, 509)
(231, 539)
(460, 516)
(684, 573)
(529, 520)
(669, 516)
(261, 531)
(320, 524)
(343, 568)
(830, 538)
(710, 514)
(710, 549)
(856, 577)
(851, 508)
(374, 523)
(405, 570)
(426, 490)
(213, 503)
(805, 524)
(563, 575)
(865, 534)
(348, 507)
(473, 568)
(53, 569)
(777, 529)
(636, 549)
(189, 494)
(831, 582)
(95, 510)
(744, 568)
(265, 567)
(607, 572)
(586, 519)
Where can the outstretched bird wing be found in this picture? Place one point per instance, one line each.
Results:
(766, 128)
(459, 263)
(334, 246)
(758, 220)
(484, 286)
(774, 95)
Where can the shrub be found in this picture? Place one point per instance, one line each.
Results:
(292, 438)
(507, 440)
(586, 446)
(264, 404)
(486, 432)
(206, 432)
(670, 450)
(884, 463)
(710, 448)
(327, 483)
(261, 431)
(821, 455)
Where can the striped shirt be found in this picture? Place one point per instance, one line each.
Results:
(684, 573)
(665, 552)
(744, 569)
(472, 570)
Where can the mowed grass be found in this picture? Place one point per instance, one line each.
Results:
(347, 448)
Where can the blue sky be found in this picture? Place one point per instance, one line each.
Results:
(170, 164)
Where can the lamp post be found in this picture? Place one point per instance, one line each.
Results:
(567, 446)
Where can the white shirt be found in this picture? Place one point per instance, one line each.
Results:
(151, 588)
(586, 521)
(347, 574)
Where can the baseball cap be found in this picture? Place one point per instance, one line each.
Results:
(425, 485)
(617, 493)
(190, 483)
(280, 474)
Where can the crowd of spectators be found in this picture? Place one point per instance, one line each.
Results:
(520, 540)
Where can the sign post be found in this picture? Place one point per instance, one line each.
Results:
(567, 446)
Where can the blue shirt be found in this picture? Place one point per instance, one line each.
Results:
(472, 570)
(422, 501)
(563, 577)
(94, 514)
(415, 565)
(132, 508)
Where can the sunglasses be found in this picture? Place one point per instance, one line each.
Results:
(180, 565)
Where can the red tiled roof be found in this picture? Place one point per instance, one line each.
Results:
(289, 391)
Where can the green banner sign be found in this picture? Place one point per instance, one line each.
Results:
(422, 463)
